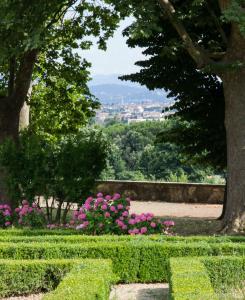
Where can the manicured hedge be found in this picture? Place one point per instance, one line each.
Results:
(225, 272)
(83, 279)
(89, 281)
(74, 236)
(134, 261)
(18, 277)
(189, 280)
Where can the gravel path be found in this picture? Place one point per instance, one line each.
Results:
(162, 209)
(154, 291)
(30, 297)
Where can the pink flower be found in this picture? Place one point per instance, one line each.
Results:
(116, 196)
(108, 197)
(6, 213)
(112, 208)
(120, 206)
(82, 216)
(30, 209)
(153, 224)
(34, 205)
(1, 206)
(143, 230)
(89, 199)
(143, 218)
(99, 195)
(107, 214)
(124, 227)
(17, 209)
(7, 223)
(169, 223)
(25, 202)
(125, 214)
(131, 221)
(72, 222)
(6, 206)
(100, 200)
(86, 223)
(87, 206)
(104, 207)
(75, 214)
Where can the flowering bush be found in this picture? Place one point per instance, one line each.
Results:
(5, 215)
(110, 214)
(30, 215)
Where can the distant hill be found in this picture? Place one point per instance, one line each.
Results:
(115, 91)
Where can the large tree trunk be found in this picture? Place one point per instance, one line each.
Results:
(11, 105)
(234, 90)
(9, 128)
(234, 87)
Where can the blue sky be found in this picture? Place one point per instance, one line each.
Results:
(118, 58)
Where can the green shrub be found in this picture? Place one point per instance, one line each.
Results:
(189, 280)
(225, 272)
(18, 277)
(134, 259)
(64, 168)
(83, 279)
(87, 281)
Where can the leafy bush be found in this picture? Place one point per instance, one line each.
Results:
(82, 278)
(64, 168)
(189, 280)
(89, 280)
(30, 216)
(110, 214)
(5, 215)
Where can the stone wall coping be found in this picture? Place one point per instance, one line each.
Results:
(162, 183)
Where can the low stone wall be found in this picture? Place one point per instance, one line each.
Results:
(164, 191)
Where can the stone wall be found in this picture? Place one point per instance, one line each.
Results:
(164, 191)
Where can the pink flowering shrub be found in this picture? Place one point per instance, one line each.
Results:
(30, 215)
(110, 215)
(5, 215)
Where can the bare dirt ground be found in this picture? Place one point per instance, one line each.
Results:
(162, 209)
(154, 291)
(190, 219)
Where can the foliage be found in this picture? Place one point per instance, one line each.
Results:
(30, 216)
(64, 168)
(110, 215)
(136, 154)
(5, 215)
(90, 279)
(189, 280)
(135, 258)
(199, 98)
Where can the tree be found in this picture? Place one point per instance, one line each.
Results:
(198, 100)
(37, 36)
(213, 35)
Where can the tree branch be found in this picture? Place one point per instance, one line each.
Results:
(12, 70)
(217, 23)
(223, 4)
(24, 76)
(198, 54)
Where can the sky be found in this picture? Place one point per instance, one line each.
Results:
(118, 58)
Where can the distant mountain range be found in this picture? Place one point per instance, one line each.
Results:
(109, 89)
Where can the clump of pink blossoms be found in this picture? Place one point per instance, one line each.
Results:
(110, 215)
(5, 215)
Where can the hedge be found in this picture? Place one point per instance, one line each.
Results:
(74, 236)
(83, 279)
(134, 261)
(225, 272)
(189, 280)
(89, 281)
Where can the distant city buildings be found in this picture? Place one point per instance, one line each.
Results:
(131, 112)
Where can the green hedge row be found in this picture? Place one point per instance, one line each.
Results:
(89, 281)
(83, 279)
(225, 272)
(189, 280)
(74, 236)
(133, 261)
